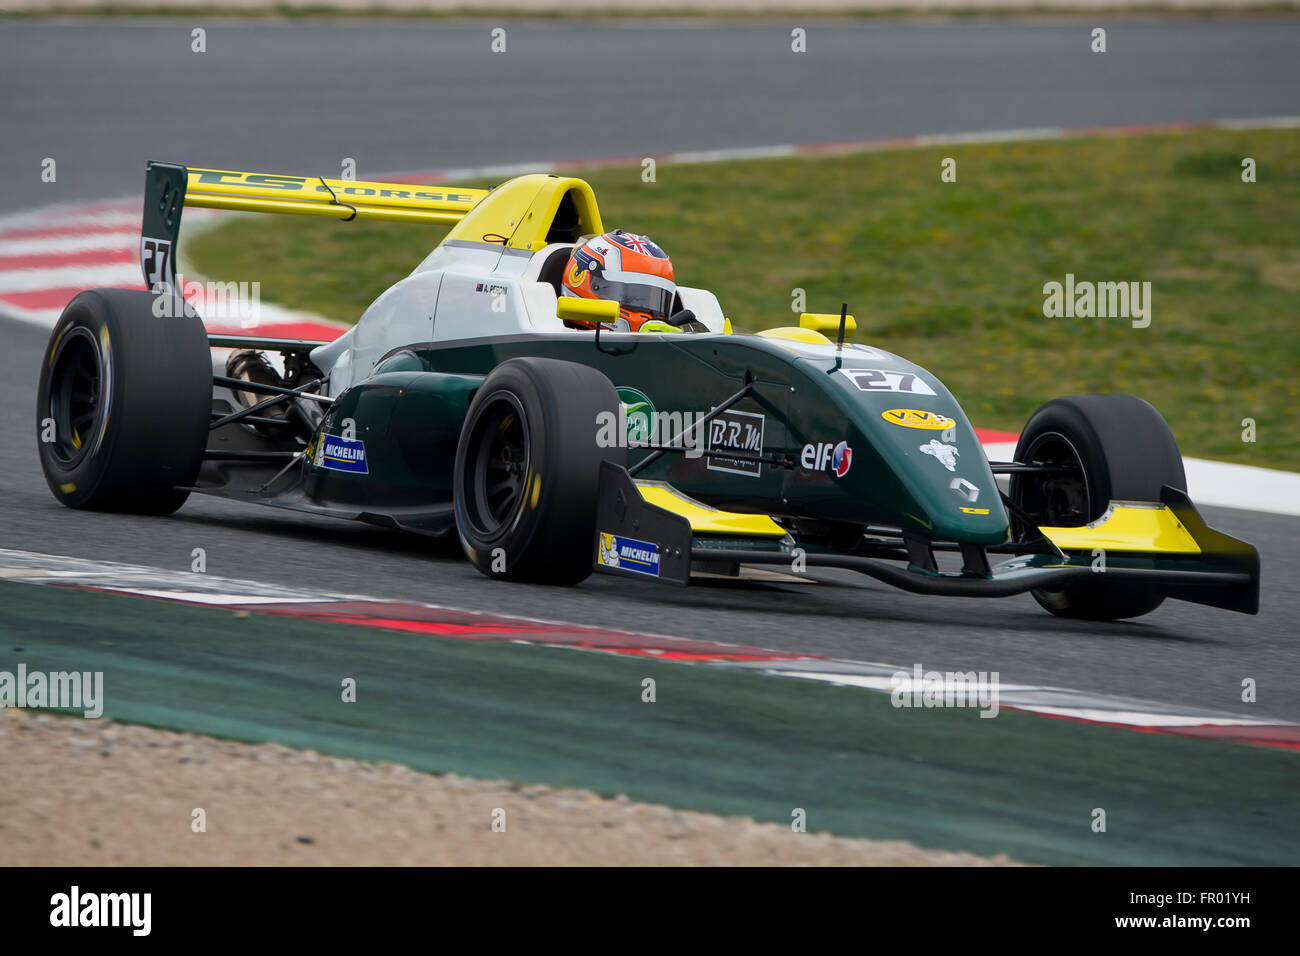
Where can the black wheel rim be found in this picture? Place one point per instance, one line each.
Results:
(75, 396)
(496, 465)
(1057, 500)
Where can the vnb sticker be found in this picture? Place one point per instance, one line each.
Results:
(628, 554)
(912, 418)
(342, 454)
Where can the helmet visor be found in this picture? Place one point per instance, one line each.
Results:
(646, 293)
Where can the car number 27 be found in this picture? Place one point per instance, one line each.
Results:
(874, 380)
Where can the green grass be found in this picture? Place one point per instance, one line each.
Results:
(948, 274)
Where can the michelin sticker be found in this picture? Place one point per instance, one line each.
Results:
(947, 454)
(628, 554)
(342, 454)
(736, 431)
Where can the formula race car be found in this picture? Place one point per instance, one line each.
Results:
(468, 400)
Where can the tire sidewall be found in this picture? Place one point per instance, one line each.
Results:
(1126, 452)
(155, 397)
(75, 483)
(1125, 447)
(549, 540)
(517, 535)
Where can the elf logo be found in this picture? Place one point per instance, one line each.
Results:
(818, 456)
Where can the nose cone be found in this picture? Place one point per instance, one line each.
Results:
(912, 452)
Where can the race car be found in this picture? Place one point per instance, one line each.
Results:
(472, 399)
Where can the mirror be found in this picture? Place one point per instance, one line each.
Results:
(827, 323)
(590, 310)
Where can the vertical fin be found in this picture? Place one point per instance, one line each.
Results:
(164, 198)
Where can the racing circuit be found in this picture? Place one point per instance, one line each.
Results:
(423, 98)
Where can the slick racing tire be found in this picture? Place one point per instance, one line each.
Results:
(123, 403)
(1114, 447)
(527, 470)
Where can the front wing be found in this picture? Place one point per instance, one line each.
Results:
(1164, 544)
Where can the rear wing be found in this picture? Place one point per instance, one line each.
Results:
(170, 187)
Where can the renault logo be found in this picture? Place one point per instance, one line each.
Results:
(964, 489)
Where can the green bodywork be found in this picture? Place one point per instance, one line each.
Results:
(410, 411)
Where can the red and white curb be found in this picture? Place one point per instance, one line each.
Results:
(438, 621)
(48, 255)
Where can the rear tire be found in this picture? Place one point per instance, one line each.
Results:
(1120, 449)
(527, 470)
(123, 403)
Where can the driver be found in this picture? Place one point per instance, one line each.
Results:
(631, 270)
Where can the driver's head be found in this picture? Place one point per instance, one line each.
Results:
(627, 268)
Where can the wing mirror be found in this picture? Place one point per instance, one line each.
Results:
(826, 323)
(586, 310)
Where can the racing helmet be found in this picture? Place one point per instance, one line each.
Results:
(627, 268)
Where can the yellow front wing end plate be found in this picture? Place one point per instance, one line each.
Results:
(705, 519)
(1135, 526)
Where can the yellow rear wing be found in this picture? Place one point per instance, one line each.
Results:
(333, 198)
(525, 214)
(170, 187)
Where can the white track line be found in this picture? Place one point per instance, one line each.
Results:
(35, 568)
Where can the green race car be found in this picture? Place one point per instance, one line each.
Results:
(464, 401)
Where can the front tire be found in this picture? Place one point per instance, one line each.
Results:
(527, 470)
(123, 403)
(1113, 448)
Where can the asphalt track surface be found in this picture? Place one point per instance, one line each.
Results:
(101, 97)
(104, 97)
(1182, 653)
